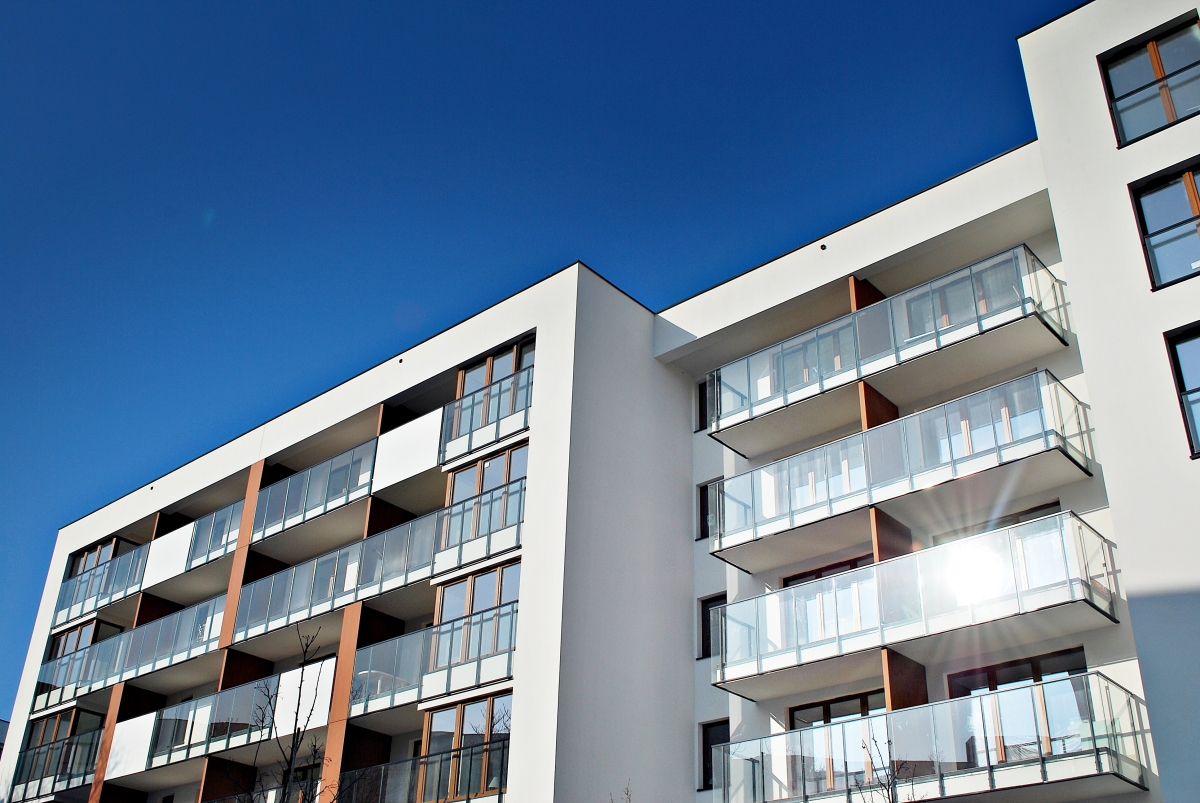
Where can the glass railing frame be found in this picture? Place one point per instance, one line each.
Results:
(1160, 84)
(1152, 254)
(263, 528)
(426, 655)
(232, 525)
(345, 578)
(517, 387)
(1191, 411)
(416, 774)
(1049, 306)
(1096, 586)
(1104, 731)
(1067, 431)
(82, 672)
(80, 771)
(110, 582)
(304, 791)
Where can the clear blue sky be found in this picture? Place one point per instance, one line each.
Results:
(210, 212)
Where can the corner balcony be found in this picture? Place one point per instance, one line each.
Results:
(466, 532)
(102, 585)
(1010, 587)
(1012, 440)
(443, 659)
(1084, 736)
(233, 720)
(214, 536)
(1003, 311)
(50, 769)
(321, 489)
(156, 645)
(487, 416)
(476, 772)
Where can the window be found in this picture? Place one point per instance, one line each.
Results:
(711, 735)
(467, 749)
(702, 406)
(61, 725)
(1185, 360)
(93, 556)
(1011, 674)
(1169, 213)
(707, 519)
(837, 710)
(79, 637)
(707, 606)
(505, 362)
(828, 571)
(479, 592)
(1155, 83)
(488, 474)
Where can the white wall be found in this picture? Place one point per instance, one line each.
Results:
(407, 450)
(130, 746)
(167, 556)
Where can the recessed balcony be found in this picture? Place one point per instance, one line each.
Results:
(1005, 310)
(154, 646)
(477, 772)
(487, 416)
(1078, 738)
(50, 769)
(102, 585)
(1016, 586)
(1016, 439)
(466, 532)
(449, 657)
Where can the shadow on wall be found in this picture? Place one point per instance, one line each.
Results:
(1166, 628)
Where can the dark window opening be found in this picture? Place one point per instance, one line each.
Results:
(1010, 674)
(840, 709)
(1169, 215)
(707, 606)
(828, 571)
(1185, 363)
(711, 735)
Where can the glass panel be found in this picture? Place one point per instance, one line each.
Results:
(1180, 49)
(1187, 353)
(1140, 113)
(1165, 206)
(474, 378)
(1185, 92)
(1175, 253)
(493, 473)
(1130, 72)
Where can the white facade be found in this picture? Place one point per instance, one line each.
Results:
(607, 692)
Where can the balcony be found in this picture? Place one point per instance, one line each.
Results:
(215, 535)
(239, 717)
(476, 772)
(102, 585)
(155, 645)
(1084, 734)
(1012, 440)
(939, 604)
(446, 539)
(44, 771)
(1003, 311)
(449, 657)
(486, 416)
(314, 491)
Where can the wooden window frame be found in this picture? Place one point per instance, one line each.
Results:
(1149, 41)
(488, 362)
(470, 580)
(456, 743)
(478, 466)
(1035, 663)
(862, 697)
(841, 567)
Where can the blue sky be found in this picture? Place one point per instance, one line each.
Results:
(210, 212)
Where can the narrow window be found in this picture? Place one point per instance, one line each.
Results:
(1185, 360)
(1155, 83)
(1169, 214)
(711, 735)
(707, 520)
(702, 406)
(707, 606)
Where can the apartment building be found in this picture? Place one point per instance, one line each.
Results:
(900, 515)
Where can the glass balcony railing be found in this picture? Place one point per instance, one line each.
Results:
(468, 773)
(175, 638)
(486, 416)
(1074, 727)
(1175, 252)
(215, 535)
(445, 539)
(1027, 567)
(1008, 422)
(320, 489)
(967, 302)
(230, 718)
(448, 657)
(301, 792)
(68, 763)
(104, 584)
(1150, 107)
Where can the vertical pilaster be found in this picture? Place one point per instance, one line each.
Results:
(240, 554)
(904, 682)
(339, 703)
(889, 538)
(863, 294)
